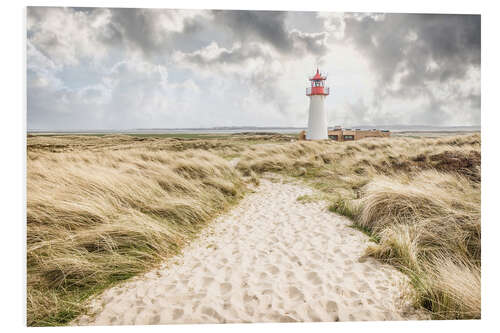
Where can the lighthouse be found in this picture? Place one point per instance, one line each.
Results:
(317, 128)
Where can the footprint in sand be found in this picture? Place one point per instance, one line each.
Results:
(177, 313)
(332, 307)
(212, 313)
(295, 294)
(225, 287)
(313, 316)
(207, 281)
(314, 278)
(273, 269)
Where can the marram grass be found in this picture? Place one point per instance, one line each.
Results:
(95, 218)
(101, 210)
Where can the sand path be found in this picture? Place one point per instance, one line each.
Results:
(270, 259)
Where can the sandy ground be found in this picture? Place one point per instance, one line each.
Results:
(270, 259)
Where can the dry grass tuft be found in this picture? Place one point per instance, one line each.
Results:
(429, 227)
(453, 289)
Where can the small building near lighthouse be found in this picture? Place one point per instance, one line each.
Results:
(317, 126)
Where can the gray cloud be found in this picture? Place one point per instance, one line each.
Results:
(266, 26)
(141, 29)
(408, 52)
(313, 43)
(453, 42)
(56, 31)
(270, 27)
(355, 113)
(231, 63)
(223, 56)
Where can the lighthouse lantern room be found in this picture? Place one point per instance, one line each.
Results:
(317, 128)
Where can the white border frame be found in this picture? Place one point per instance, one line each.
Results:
(13, 194)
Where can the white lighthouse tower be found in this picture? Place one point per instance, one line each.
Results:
(317, 128)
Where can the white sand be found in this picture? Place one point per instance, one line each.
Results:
(271, 259)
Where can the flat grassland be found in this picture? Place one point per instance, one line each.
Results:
(101, 209)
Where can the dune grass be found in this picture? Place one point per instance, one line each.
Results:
(95, 218)
(224, 144)
(103, 209)
(429, 227)
(417, 198)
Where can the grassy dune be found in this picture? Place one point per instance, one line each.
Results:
(95, 218)
(227, 144)
(429, 226)
(418, 198)
(103, 209)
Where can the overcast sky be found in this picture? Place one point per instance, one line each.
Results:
(151, 68)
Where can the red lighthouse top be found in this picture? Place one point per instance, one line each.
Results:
(318, 85)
